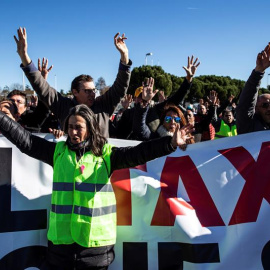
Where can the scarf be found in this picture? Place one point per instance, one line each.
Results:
(162, 131)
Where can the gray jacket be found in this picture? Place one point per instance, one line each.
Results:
(246, 118)
(103, 106)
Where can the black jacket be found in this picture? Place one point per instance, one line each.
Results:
(247, 120)
(125, 124)
(103, 106)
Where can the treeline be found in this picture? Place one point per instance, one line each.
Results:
(201, 86)
(169, 83)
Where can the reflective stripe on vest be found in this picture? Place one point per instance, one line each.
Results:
(62, 186)
(225, 131)
(83, 206)
(68, 209)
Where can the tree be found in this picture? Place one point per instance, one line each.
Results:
(100, 84)
(5, 92)
(62, 92)
(16, 86)
(6, 88)
(201, 85)
(27, 86)
(162, 79)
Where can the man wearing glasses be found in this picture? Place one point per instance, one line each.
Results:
(253, 111)
(82, 87)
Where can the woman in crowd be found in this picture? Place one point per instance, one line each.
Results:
(171, 117)
(82, 225)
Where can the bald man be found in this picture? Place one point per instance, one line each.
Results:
(253, 111)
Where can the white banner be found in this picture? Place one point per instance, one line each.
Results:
(203, 208)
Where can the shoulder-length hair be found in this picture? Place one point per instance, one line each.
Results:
(177, 110)
(96, 140)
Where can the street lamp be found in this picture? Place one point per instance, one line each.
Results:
(23, 81)
(148, 54)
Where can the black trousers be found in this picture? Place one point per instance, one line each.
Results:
(76, 257)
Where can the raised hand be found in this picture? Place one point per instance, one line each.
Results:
(213, 98)
(58, 133)
(34, 101)
(43, 68)
(181, 135)
(230, 98)
(161, 96)
(22, 46)
(147, 92)
(119, 42)
(191, 67)
(263, 59)
(126, 101)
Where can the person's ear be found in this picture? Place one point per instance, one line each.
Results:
(75, 92)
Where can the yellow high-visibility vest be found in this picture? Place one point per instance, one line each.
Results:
(226, 131)
(83, 202)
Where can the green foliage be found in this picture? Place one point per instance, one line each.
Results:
(201, 86)
(264, 90)
(139, 74)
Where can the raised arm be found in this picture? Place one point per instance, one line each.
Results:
(126, 157)
(180, 94)
(57, 103)
(107, 102)
(140, 130)
(22, 46)
(119, 42)
(148, 91)
(191, 68)
(43, 67)
(245, 110)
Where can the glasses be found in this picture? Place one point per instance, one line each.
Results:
(265, 105)
(169, 119)
(90, 91)
(19, 101)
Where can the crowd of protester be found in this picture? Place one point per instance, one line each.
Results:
(137, 117)
(88, 121)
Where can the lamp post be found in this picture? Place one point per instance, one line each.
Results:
(148, 54)
(23, 81)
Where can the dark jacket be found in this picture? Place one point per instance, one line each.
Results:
(246, 118)
(203, 124)
(39, 119)
(121, 157)
(124, 125)
(140, 130)
(103, 106)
